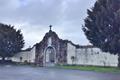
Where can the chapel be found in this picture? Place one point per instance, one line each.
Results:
(53, 50)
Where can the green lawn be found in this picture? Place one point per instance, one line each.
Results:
(91, 68)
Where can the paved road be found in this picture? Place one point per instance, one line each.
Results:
(32, 73)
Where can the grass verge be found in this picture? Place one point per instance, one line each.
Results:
(91, 68)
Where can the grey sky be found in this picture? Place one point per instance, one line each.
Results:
(34, 16)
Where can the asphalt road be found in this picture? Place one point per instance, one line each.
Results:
(37, 73)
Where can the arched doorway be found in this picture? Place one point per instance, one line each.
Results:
(50, 56)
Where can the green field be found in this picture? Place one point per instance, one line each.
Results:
(91, 68)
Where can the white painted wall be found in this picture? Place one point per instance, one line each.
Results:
(90, 56)
(71, 50)
(94, 56)
(28, 56)
(83, 56)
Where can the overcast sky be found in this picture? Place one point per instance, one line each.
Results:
(34, 16)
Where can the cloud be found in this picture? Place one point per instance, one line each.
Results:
(34, 16)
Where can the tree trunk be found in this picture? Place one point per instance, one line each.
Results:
(119, 60)
(3, 58)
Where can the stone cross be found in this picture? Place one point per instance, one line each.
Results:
(50, 27)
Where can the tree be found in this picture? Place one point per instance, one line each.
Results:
(11, 41)
(102, 26)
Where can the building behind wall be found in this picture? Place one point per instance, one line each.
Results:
(53, 50)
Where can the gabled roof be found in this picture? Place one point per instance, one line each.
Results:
(48, 34)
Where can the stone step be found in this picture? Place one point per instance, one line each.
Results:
(49, 64)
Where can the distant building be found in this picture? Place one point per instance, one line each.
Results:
(53, 50)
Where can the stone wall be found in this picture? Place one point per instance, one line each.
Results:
(59, 45)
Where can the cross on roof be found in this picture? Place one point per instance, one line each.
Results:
(50, 27)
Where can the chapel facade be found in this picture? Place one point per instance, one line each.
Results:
(51, 50)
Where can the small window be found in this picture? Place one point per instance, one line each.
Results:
(97, 52)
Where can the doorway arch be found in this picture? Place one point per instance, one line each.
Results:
(49, 56)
